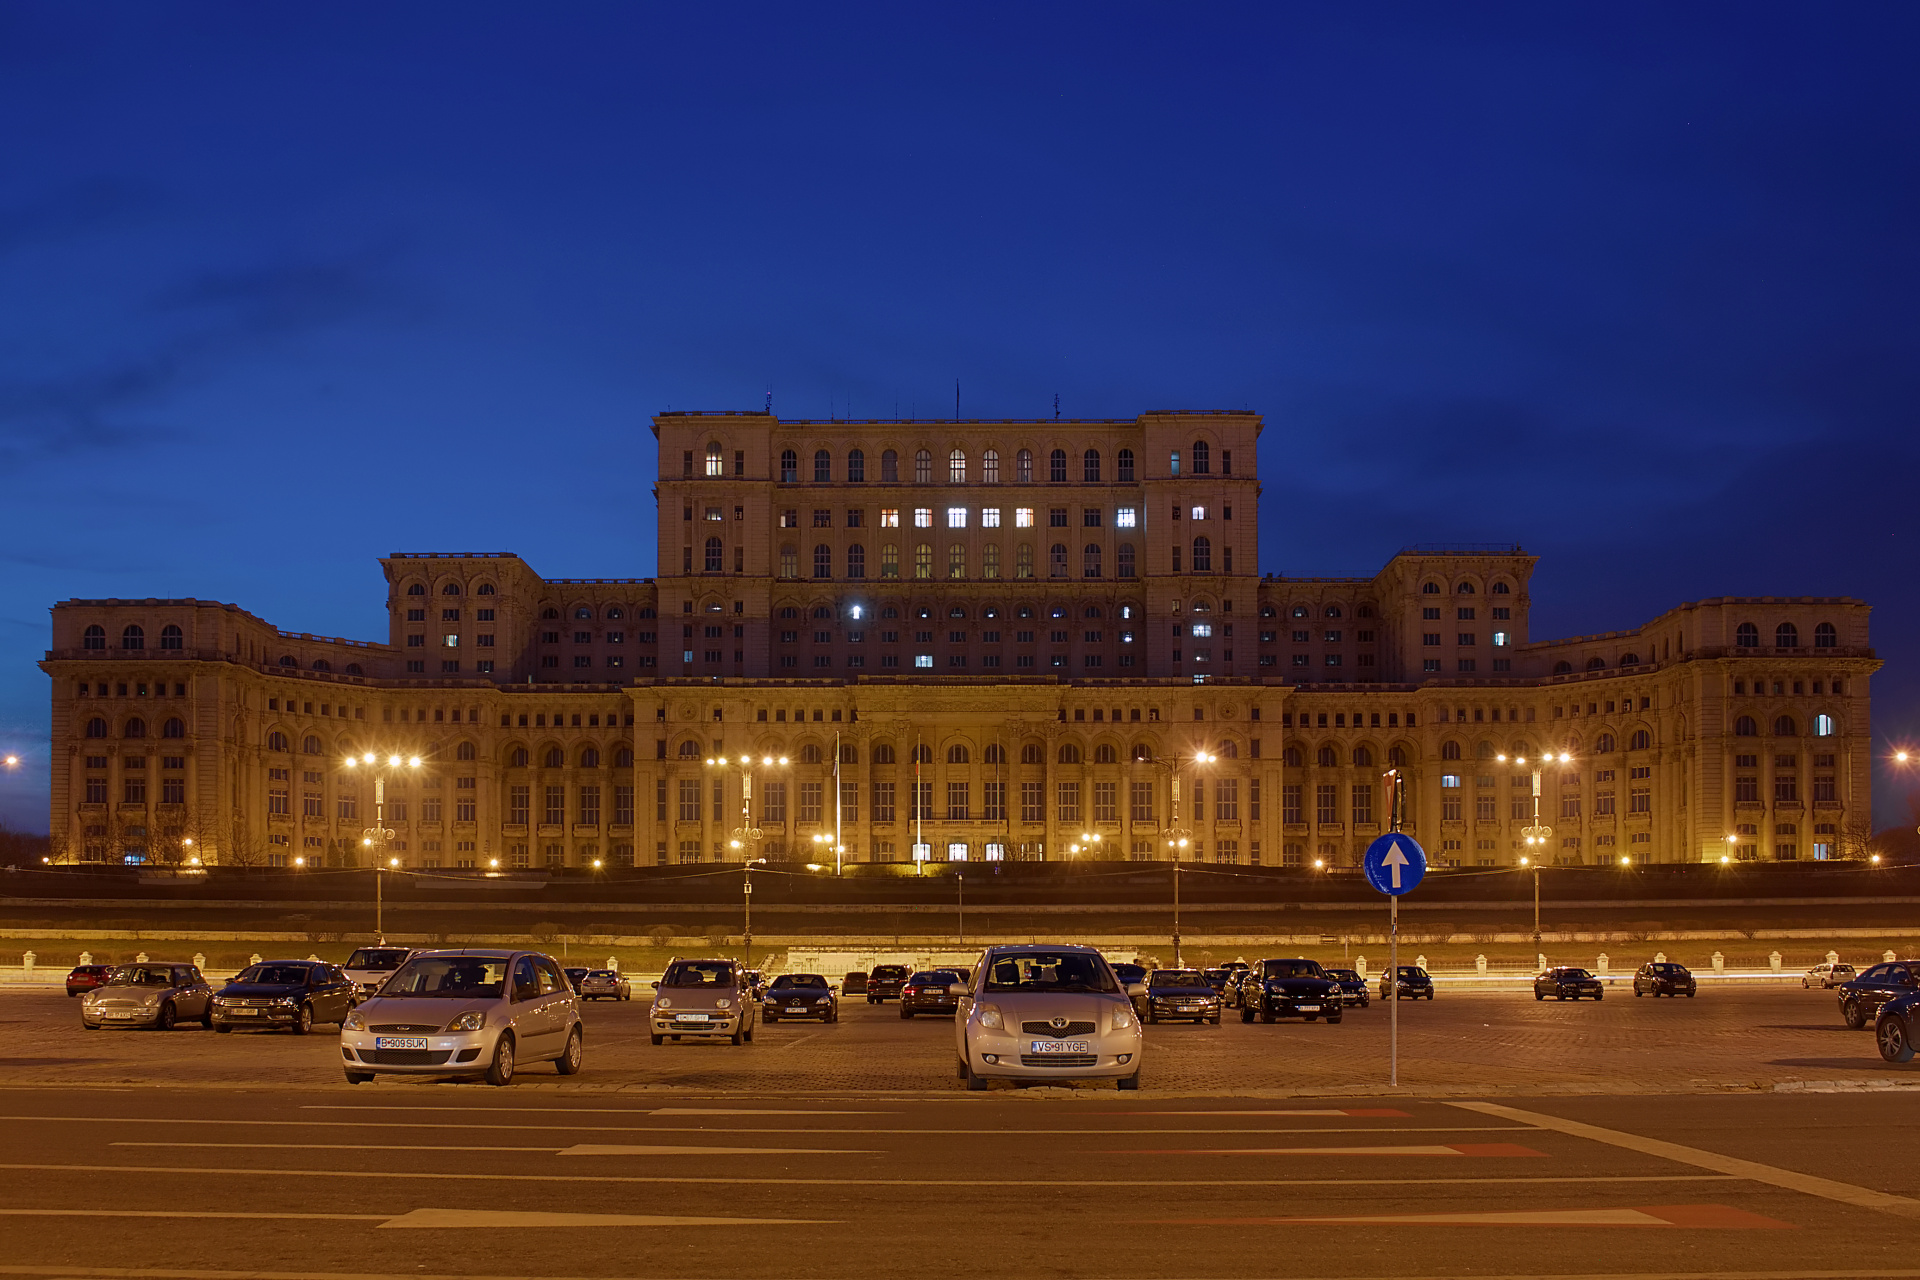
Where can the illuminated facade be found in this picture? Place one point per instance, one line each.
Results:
(998, 628)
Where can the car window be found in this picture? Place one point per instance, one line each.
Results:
(377, 958)
(449, 977)
(551, 979)
(525, 984)
(1044, 970)
(698, 973)
(1874, 974)
(1293, 969)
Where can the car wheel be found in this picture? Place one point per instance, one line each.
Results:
(659, 1039)
(905, 1013)
(302, 1020)
(221, 1028)
(1804, 984)
(359, 1077)
(500, 1070)
(1334, 1018)
(1599, 995)
(1895, 1044)
(1690, 995)
(738, 1037)
(1559, 995)
(1638, 992)
(206, 1018)
(90, 1026)
(1132, 1081)
(1215, 1020)
(570, 1058)
(1314, 1017)
(1266, 1016)
(772, 1018)
(164, 1022)
(1538, 996)
(1153, 1017)
(747, 1035)
(1855, 1016)
(1246, 1014)
(960, 1069)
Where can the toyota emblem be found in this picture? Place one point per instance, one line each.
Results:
(1058, 1023)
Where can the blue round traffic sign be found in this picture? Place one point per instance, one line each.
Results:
(1395, 863)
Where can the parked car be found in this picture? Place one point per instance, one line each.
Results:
(1290, 988)
(930, 992)
(575, 976)
(85, 977)
(153, 995)
(1827, 975)
(800, 995)
(466, 1012)
(371, 966)
(704, 999)
(1040, 1012)
(1860, 998)
(1564, 982)
(1231, 994)
(603, 984)
(885, 981)
(854, 984)
(290, 994)
(1664, 978)
(1132, 975)
(1896, 1025)
(1352, 987)
(1181, 995)
(756, 980)
(1217, 979)
(1415, 983)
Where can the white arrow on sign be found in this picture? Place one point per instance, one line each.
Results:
(1395, 860)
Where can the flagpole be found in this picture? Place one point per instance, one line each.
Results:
(836, 803)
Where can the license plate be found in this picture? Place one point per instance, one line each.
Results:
(1061, 1046)
(689, 1017)
(243, 1013)
(1308, 1008)
(798, 1008)
(400, 1042)
(122, 1014)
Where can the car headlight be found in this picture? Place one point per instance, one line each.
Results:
(1122, 1017)
(723, 1003)
(823, 999)
(469, 1021)
(354, 1022)
(661, 1002)
(989, 1015)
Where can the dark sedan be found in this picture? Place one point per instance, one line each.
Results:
(85, 977)
(929, 992)
(1181, 995)
(1290, 988)
(1352, 987)
(800, 995)
(1217, 978)
(1563, 982)
(1415, 983)
(293, 994)
(575, 977)
(1860, 998)
(885, 981)
(1896, 1026)
(1664, 979)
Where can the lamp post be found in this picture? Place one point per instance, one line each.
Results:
(747, 836)
(1727, 857)
(746, 905)
(1178, 838)
(1537, 833)
(375, 837)
(960, 887)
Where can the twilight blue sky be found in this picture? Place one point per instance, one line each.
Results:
(284, 288)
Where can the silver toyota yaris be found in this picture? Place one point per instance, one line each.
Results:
(1047, 1013)
(466, 1013)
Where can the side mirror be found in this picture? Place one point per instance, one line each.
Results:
(655, 986)
(956, 988)
(1136, 989)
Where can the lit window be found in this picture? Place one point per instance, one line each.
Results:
(1823, 726)
(1499, 639)
(1126, 637)
(956, 517)
(889, 517)
(1023, 517)
(1449, 779)
(1199, 513)
(922, 659)
(452, 642)
(1203, 629)
(989, 517)
(713, 513)
(923, 517)
(1123, 518)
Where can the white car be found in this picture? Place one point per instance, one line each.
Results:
(368, 967)
(1040, 1013)
(1824, 976)
(466, 1013)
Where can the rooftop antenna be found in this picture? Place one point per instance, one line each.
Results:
(1056, 406)
(956, 399)
(769, 401)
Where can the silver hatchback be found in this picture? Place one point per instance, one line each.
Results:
(466, 1013)
(703, 999)
(1039, 1013)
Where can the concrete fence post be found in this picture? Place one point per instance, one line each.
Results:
(140, 958)
(1420, 961)
(1480, 965)
(313, 959)
(1888, 957)
(1540, 962)
(254, 958)
(199, 960)
(1360, 967)
(613, 963)
(1600, 965)
(1659, 957)
(1833, 957)
(26, 963)
(1773, 961)
(1719, 963)
(86, 957)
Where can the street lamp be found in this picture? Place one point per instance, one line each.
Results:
(374, 838)
(746, 906)
(746, 836)
(828, 843)
(1178, 837)
(1537, 833)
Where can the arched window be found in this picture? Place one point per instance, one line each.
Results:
(170, 637)
(715, 557)
(1502, 589)
(1105, 754)
(990, 467)
(1429, 588)
(1123, 562)
(1595, 664)
(1328, 758)
(1090, 466)
(990, 561)
(856, 467)
(1069, 754)
(1023, 560)
(277, 741)
(922, 467)
(849, 754)
(889, 560)
(1640, 740)
(1092, 611)
(1747, 636)
(1397, 757)
(175, 727)
(810, 754)
(957, 467)
(994, 754)
(614, 614)
(95, 637)
(822, 467)
(486, 589)
(1362, 758)
(132, 637)
(1057, 560)
(1023, 466)
(1229, 750)
(1603, 744)
(889, 467)
(1629, 659)
(714, 467)
(923, 560)
(1784, 727)
(517, 758)
(136, 728)
(689, 750)
(1123, 466)
(1825, 637)
(1823, 726)
(1483, 750)
(1333, 611)
(353, 669)
(1057, 466)
(822, 612)
(1562, 668)
(583, 613)
(1090, 561)
(789, 467)
(957, 754)
(857, 561)
(1202, 457)
(321, 664)
(789, 560)
(623, 757)
(957, 560)
(310, 745)
(1786, 636)
(1291, 757)
(1465, 588)
(465, 751)
(549, 613)
(96, 728)
(1203, 555)
(1449, 751)
(451, 589)
(416, 590)
(883, 753)
(822, 560)
(1745, 727)
(923, 754)
(1030, 753)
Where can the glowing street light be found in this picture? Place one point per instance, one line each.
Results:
(1537, 833)
(746, 836)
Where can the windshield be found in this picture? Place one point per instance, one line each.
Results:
(935, 978)
(454, 977)
(140, 975)
(1041, 970)
(1574, 975)
(1291, 969)
(281, 975)
(1177, 978)
(379, 959)
(1667, 968)
(699, 973)
(787, 981)
(890, 971)
(1343, 975)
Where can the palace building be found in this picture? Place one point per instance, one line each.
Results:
(986, 639)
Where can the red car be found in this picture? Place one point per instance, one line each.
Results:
(85, 977)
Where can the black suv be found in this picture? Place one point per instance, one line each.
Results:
(1896, 1026)
(1290, 988)
(1352, 987)
(885, 981)
(1415, 984)
(1861, 998)
(1565, 982)
(1663, 978)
